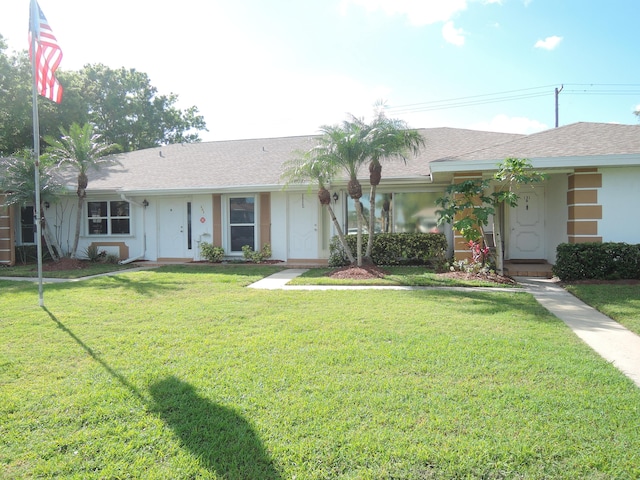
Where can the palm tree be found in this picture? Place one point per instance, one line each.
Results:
(386, 138)
(17, 180)
(80, 148)
(343, 147)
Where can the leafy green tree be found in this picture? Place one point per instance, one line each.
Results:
(81, 149)
(16, 130)
(469, 205)
(121, 103)
(17, 181)
(128, 110)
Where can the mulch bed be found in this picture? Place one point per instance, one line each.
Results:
(372, 271)
(65, 264)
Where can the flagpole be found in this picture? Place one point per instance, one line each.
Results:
(36, 152)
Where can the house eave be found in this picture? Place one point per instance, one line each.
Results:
(546, 163)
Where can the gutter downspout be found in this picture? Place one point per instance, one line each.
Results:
(144, 230)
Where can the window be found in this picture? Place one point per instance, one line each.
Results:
(242, 223)
(27, 225)
(108, 218)
(399, 213)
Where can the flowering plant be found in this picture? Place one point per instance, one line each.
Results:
(480, 254)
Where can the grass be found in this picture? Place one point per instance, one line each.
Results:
(618, 301)
(403, 276)
(91, 268)
(181, 372)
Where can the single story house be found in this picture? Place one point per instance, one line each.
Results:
(160, 204)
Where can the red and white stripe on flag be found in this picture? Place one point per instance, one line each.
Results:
(47, 55)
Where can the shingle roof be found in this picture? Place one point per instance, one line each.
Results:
(258, 162)
(575, 140)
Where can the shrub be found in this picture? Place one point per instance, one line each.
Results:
(249, 254)
(211, 253)
(396, 249)
(93, 254)
(600, 261)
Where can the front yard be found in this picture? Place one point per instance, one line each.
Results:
(181, 372)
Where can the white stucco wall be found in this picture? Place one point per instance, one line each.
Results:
(557, 214)
(279, 226)
(620, 200)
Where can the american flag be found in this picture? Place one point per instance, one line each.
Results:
(47, 54)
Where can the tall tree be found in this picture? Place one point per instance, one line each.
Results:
(129, 111)
(386, 139)
(17, 181)
(81, 149)
(121, 103)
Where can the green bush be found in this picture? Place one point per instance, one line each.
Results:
(395, 249)
(249, 254)
(211, 253)
(94, 254)
(600, 261)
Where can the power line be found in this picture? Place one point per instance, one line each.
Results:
(514, 95)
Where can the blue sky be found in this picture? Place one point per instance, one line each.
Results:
(285, 67)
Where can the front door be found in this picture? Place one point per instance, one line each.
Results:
(526, 222)
(172, 228)
(303, 226)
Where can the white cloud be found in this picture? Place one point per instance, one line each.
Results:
(549, 43)
(418, 12)
(453, 35)
(503, 123)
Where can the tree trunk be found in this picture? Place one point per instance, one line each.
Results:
(76, 237)
(49, 240)
(341, 236)
(375, 175)
(372, 219)
(359, 233)
(497, 239)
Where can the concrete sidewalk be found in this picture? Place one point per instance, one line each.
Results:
(608, 338)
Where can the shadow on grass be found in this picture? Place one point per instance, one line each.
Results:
(95, 356)
(222, 440)
(219, 437)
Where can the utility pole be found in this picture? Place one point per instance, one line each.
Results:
(558, 93)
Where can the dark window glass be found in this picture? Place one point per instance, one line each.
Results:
(108, 218)
(27, 225)
(241, 236)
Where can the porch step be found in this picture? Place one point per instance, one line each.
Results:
(517, 269)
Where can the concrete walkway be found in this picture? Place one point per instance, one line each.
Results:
(608, 338)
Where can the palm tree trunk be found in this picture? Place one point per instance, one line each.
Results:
(76, 237)
(52, 247)
(372, 219)
(341, 236)
(359, 233)
(497, 236)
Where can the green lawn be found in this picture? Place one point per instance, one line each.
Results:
(618, 301)
(91, 268)
(181, 372)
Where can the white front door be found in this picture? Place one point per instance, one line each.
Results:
(303, 225)
(172, 228)
(526, 222)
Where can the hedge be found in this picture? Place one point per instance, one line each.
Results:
(601, 261)
(395, 249)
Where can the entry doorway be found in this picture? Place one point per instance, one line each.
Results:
(526, 225)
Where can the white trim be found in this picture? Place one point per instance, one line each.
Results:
(594, 161)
